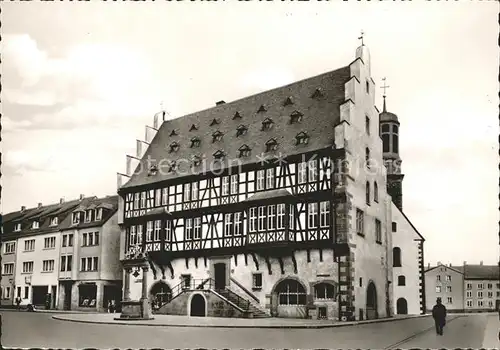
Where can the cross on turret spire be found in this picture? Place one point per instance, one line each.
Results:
(361, 38)
(385, 88)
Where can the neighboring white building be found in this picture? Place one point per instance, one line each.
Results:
(407, 274)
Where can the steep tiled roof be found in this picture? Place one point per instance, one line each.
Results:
(482, 272)
(317, 98)
(45, 213)
(110, 205)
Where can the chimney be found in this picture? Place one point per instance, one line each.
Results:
(465, 262)
(220, 103)
(82, 196)
(439, 262)
(61, 201)
(39, 205)
(23, 208)
(481, 263)
(428, 265)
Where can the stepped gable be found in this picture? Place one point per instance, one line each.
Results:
(320, 115)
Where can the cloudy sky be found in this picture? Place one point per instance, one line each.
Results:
(81, 80)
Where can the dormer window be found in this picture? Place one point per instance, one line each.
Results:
(267, 124)
(196, 160)
(317, 93)
(295, 117)
(35, 225)
(17, 227)
(288, 101)
(195, 142)
(98, 216)
(219, 155)
(215, 121)
(54, 221)
(172, 167)
(262, 108)
(89, 215)
(173, 133)
(302, 138)
(244, 151)
(193, 127)
(241, 130)
(217, 136)
(237, 115)
(76, 218)
(174, 147)
(271, 145)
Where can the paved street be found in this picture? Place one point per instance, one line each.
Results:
(23, 329)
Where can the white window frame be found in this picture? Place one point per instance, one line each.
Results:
(324, 214)
(271, 213)
(139, 234)
(164, 196)
(480, 303)
(29, 247)
(76, 218)
(35, 225)
(227, 224)
(17, 227)
(187, 192)
(143, 200)
(270, 178)
(438, 289)
(469, 294)
(360, 222)
(252, 222)
(225, 186)
(234, 183)
(261, 222)
(149, 231)
(449, 300)
(378, 231)
(292, 217)
(480, 286)
(280, 216)
(312, 215)
(132, 235)
(137, 200)
(469, 303)
(237, 224)
(197, 228)
(260, 180)
(448, 289)
(312, 170)
(168, 230)
(10, 247)
(480, 294)
(48, 266)
(158, 197)
(188, 229)
(8, 269)
(28, 266)
(448, 278)
(302, 173)
(88, 215)
(98, 216)
(194, 191)
(469, 285)
(157, 230)
(54, 221)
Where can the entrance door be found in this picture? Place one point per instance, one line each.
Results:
(371, 302)
(220, 275)
(67, 296)
(39, 295)
(401, 306)
(198, 306)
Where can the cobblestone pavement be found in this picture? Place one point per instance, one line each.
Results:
(23, 329)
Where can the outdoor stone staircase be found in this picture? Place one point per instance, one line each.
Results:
(248, 306)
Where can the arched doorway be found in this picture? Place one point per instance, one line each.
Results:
(371, 302)
(401, 306)
(198, 305)
(160, 294)
(290, 299)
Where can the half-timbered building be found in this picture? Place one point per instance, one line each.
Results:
(271, 205)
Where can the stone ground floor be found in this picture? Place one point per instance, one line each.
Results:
(91, 295)
(312, 284)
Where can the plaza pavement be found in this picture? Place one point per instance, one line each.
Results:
(220, 322)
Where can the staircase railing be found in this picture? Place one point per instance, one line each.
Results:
(208, 284)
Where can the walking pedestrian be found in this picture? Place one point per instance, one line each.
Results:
(18, 303)
(439, 315)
